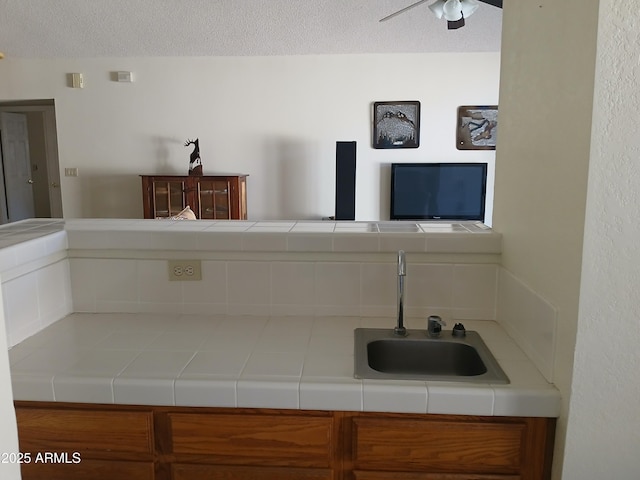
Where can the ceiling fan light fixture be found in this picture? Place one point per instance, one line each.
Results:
(437, 8)
(452, 10)
(469, 7)
(455, 25)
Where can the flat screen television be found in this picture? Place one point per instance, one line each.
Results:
(438, 191)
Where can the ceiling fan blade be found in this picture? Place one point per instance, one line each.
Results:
(495, 3)
(405, 9)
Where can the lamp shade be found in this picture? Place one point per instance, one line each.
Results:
(452, 10)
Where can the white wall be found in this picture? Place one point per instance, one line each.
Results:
(275, 118)
(8, 427)
(546, 97)
(604, 424)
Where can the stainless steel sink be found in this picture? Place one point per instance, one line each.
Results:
(381, 354)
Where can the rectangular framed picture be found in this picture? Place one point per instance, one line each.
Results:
(477, 127)
(396, 124)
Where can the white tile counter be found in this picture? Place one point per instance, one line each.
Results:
(92, 317)
(436, 237)
(252, 361)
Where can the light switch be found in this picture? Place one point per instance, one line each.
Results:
(70, 172)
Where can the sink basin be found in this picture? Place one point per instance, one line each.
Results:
(380, 354)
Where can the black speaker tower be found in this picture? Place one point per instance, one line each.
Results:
(345, 181)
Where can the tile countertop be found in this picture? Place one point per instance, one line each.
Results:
(251, 361)
(284, 236)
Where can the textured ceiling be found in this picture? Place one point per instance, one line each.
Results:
(143, 28)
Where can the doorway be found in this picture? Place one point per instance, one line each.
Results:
(30, 173)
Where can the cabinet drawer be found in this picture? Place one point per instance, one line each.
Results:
(255, 438)
(357, 475)
(216, 472)
(89, 469)
(61, 430)
(437, 446)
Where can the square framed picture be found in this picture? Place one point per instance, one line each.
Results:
(477, 127)
(396, 124)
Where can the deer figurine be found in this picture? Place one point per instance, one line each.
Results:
(195, 164)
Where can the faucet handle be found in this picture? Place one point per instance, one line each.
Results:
(434, 325)
(458, 330)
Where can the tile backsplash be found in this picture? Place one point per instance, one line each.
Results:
(51, 268)
(529, 319)
(285, 287)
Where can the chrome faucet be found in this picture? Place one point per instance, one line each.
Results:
(402, 272)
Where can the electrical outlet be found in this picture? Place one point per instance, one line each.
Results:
(185, 270)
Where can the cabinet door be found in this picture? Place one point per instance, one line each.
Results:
(168, 197)
(214, 198)
(225, 472)
(428, 476)
(438, 446)
(67, 444)
(88, 469)
(85, 431)
(261, 439)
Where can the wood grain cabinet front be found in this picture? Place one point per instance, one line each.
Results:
(450, 447)
(261, 445)
(184, 443)
(80, 443)
(230, 472)
(89, 469)
(358, 475)
(283, 440)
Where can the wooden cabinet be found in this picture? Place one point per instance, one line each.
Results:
(451, 447)
(210, 197)
(68, 442)
(89, 469)
(180, 443)
(256, 444)
(226, 472)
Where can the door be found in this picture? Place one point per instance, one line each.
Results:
(43, 152)
(16, 166)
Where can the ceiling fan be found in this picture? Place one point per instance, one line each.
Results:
(453, 11)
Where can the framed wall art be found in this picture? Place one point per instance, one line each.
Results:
(477, 127)
(396, 124)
